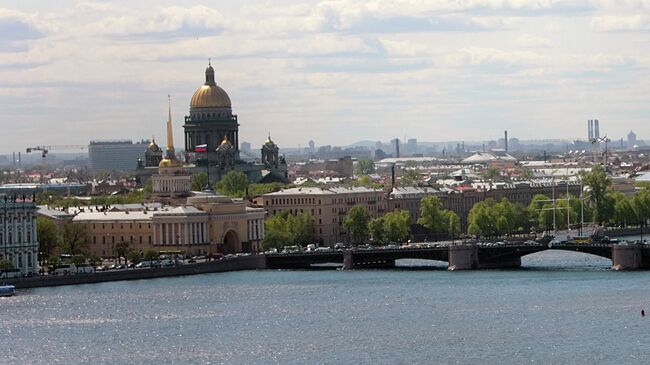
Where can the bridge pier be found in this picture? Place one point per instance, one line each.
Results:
(627, 257)
(348, 260)
(463, 258)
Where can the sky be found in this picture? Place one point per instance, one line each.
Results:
(335, 71)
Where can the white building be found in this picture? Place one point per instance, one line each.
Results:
(18, 241)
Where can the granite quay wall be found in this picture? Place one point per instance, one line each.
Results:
(252, 262)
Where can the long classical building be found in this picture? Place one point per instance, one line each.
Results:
(327, 206)
(208, 223)
(18, 241)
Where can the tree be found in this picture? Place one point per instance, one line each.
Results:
(78, 260)
(94, 261)
(199, 181)
(598, 182)
(121, 249)
(134, 256)
(364, 167)
(74, 239)
(276, 233)
(261, 189)
(432, 214)
(356, 223)
(301, 228)
(641, 206)
(491, 173)
(47, 236)
(150, 255)
(397, 225)
(453, 223)
(377, 231)
(624, 212)
(6, 265)
(411, 177)
(233, 184)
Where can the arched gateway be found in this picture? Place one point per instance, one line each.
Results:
(231, 242)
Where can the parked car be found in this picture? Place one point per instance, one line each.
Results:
(144, 265)
(64, 269)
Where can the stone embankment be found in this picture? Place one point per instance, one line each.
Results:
(252, 262)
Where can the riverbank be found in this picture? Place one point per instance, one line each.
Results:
(253, 262)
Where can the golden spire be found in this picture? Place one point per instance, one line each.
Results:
(170, 138)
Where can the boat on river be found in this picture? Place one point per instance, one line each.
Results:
(7, 290)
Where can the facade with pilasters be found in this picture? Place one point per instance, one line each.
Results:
(18, 239)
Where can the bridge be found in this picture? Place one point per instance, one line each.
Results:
(460, 257)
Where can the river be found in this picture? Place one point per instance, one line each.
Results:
(561, 307)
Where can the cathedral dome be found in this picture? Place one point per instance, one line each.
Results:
(209, 95)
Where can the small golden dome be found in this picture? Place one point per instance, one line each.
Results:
(166, 162)
(269, 142)
(209, 95)
(225, 141)
(153, 146)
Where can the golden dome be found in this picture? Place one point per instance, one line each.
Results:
(269, 142)
(209, 95)
(153, 146)
(166, 162)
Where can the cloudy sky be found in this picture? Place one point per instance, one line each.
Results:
(333, 71)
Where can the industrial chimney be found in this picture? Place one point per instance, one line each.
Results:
(506, 140)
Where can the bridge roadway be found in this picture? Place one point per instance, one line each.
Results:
(460, 257)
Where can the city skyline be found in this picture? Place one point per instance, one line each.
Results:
(333, 71)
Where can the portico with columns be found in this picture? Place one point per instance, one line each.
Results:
(183, 228)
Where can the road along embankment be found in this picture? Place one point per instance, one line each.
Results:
(253, 262)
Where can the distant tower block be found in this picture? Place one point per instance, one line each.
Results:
(397, 147)
(590, 130)
(596, 129)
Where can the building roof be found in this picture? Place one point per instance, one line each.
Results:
(411, 192)
(485, 157)
(112, 216)
(327, 191)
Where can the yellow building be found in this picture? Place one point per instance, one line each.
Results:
(208, 223)
(327, 206)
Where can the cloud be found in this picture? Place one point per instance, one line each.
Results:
(17, 26)
(195, 21)
(621, 23)
(533, 41)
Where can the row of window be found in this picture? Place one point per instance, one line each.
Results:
(18, 237)
(113, 240)
(121, 225)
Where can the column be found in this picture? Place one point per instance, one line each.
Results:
(186, 238)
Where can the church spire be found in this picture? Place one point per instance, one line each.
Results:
(170, 137)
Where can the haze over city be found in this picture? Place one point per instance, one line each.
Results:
(332, 71)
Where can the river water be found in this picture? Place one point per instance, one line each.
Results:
(561, 307)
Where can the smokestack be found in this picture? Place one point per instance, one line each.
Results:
(506, 140)
(596, 129)
(397, 147)
(392, 176)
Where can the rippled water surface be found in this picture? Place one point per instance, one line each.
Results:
(559, 308)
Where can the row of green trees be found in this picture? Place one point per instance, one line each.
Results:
(391, 227)
(287, 230)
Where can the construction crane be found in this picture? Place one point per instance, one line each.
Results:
(46, 149)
